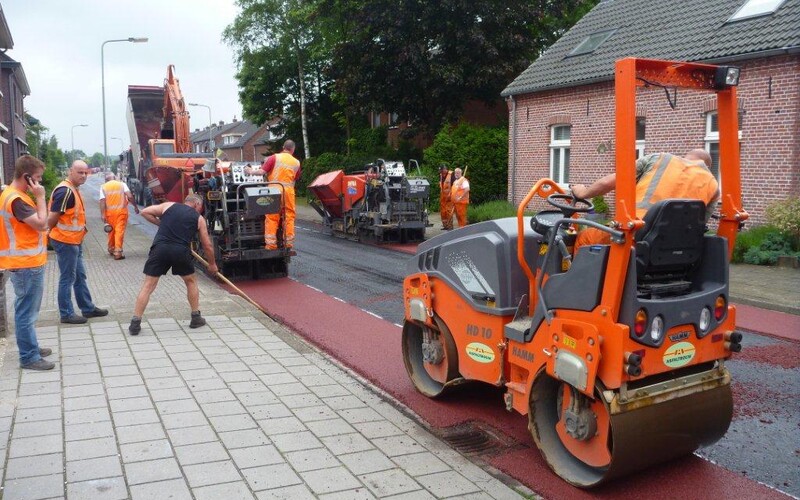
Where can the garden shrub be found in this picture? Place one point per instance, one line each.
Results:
(785, 216)
(751, 238)
(772, 246)
(491, 210)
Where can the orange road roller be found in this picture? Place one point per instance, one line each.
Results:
(615, 352)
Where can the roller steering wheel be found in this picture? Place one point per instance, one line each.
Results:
(574, 205)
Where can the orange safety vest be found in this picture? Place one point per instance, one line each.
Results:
(71, 225)
(457, 191)
(286, 167)
(114, 192)
(674, 177)
(21, 246)
(444, 185)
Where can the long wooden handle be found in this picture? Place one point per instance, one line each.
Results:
(228, 282)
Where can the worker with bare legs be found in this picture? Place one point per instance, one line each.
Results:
(114, 199)
(283, 168)
(178, 224)
(459, 195)
(658, 177)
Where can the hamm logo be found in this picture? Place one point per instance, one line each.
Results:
(679, 354)
(481, 353)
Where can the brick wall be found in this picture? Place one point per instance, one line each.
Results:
(769, 95)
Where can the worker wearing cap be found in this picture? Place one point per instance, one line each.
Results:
(459, 196)
(658, 177)
(282, 168)
(445, 205)
(114, 199)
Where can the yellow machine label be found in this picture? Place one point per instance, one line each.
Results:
(569, 341)
(542, 249)
(679, 354)
(414, 290)
(481, 353)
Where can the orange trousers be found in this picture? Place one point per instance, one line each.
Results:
(461, 213)
(272, 221)
(446, 209)
(118, 221)
(592, 236)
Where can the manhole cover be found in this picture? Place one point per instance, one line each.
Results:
(473, 439)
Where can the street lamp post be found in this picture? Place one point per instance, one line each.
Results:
(103, 82)
(210, 125)
(73, 137)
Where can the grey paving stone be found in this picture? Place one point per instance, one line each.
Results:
(201, 453)
(33, 488)
(206, 384)
(329, 480)
(159, 371)
(213, 396)
(357, 494)
(162, 490)
(135, 417)
(276, 426)
(33, 429)
(306, 460)
(344, 402)
(86, 402)
(91, 448)
(139, 433)
(145, 450)
(243, 438)
(99, 489)
(346, 443)
(418, 464)
(359, 415)
(155, 384)
(37, 414)
(119, 371)
(93, 468)
(182, 436)
(263, 369)
(283, 378)
(172, 394)
(380, 428)
(82, 379)
(332, 427)
(41, 445)
(313, 413)
(415, 495)
(79, 432)
(271, 411)
(365, 462)
(191, 364)
(40, 388)
(152, 471)
(389, 482)
(289, 389)
(176, 406)
(234, 366)
(126, 392)
(211, 473)
(295, 441)
(217, 409)
(80, 369)
(233, 423)
(328, 391)
(40, 465)
(447, 484)
(270, 476)
(130, 404)
(123, 381)
(87, 416)
(227, 491)
(256, 456)
(39, 401)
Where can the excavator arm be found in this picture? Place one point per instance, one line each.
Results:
(176, 119)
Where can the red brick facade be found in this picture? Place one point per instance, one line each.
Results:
(769, 95)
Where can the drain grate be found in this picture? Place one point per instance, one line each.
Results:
(473, 439)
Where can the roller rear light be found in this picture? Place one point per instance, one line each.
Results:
(640, 323)
(720, 305)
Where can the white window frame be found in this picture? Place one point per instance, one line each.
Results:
(712, 137)
(640, 142)
(559, 151)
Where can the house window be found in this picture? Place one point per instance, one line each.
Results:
(559, 153)
(376, 119)
(230, 139)
(712, 139)
(640, 124)
(591, 43)
(756, 8)
(393, 119)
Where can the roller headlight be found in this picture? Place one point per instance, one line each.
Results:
(656, 328)
(705, 320)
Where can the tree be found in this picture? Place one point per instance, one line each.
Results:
(96, 161)
(425, 60)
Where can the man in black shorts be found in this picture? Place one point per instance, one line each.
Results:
(178, 224)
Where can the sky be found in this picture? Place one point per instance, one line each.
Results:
(58, 43)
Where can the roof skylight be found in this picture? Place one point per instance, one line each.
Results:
(591, 43)
(756, 8)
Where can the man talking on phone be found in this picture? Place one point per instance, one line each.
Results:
(23, 252)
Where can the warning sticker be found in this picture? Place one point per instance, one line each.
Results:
(481, 353)
(679, 354)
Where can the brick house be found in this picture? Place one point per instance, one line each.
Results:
(561, 109)
(13, 89)
(239, 140)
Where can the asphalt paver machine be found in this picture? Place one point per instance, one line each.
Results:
(616, 354)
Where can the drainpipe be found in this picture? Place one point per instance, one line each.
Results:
(513, 150)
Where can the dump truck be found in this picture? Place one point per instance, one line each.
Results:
(161, 164)
(382, 203)
(616, 353)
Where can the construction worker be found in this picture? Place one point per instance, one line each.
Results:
(658, 176)
(445, 204)
(114, 199)
(284, 168)
(67, 223)
(459, 196)
(23, 253)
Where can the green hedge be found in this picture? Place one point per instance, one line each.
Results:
(498, 209)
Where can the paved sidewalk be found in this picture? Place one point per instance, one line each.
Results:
(240, 408)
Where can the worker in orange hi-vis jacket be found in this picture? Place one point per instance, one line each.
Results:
(284, 168)
(445, 205)
(114, 199)
(459, 195)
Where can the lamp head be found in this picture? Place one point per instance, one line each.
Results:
(141, 39)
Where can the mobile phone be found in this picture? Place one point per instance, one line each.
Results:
(29, 179)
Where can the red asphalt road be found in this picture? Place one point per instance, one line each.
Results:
(371, 347)
(772, 323)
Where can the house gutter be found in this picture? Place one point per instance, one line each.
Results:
(513, 150)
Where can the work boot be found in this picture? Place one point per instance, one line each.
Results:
(40, 365)
(118, 256)
(135, 326)
(45, 351)
(74, 319)
(96, 313)
(197, 320)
